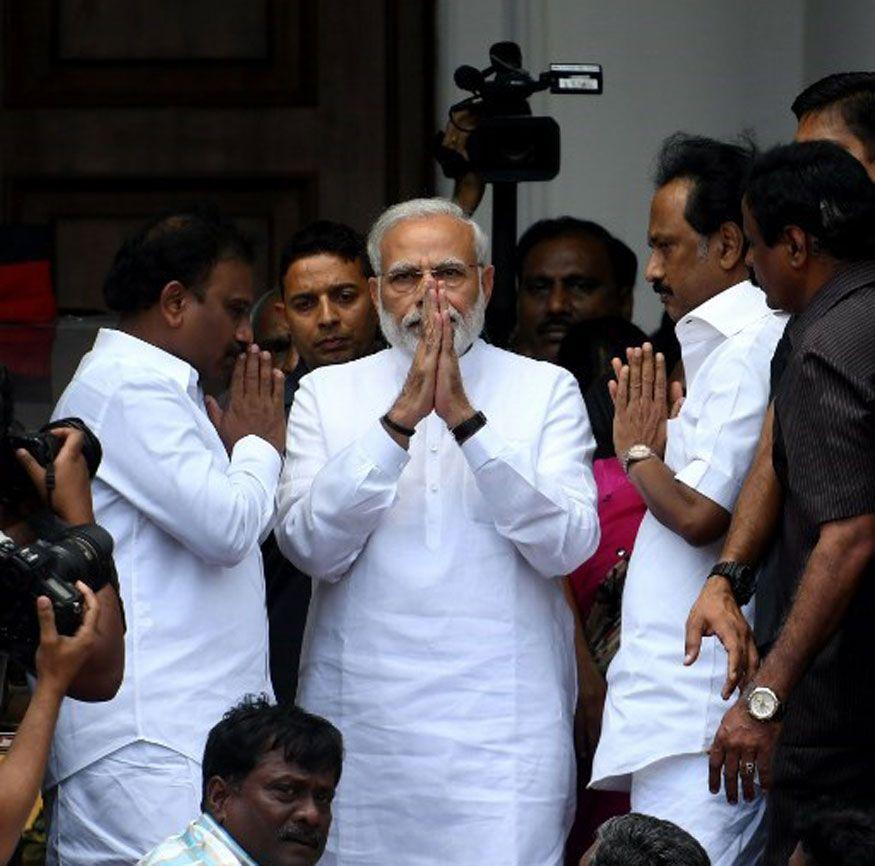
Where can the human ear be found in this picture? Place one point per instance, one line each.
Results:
(374, 286)
(216, 798)
(173, 301)
(487, 281)
(626, 305)
(798, 246)
(731, 239)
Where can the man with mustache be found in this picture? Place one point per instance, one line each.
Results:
(326, 306)
(839, 108)
(269, 775)
(568, 270)
(659, 716)
(809, 211)
(434, 490)
(186, 489)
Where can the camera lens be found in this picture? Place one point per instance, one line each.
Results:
(84, 553)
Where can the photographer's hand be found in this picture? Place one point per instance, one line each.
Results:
(255, 405)
(57, 661)
(469, 188)
(71, 496)
(58, 658)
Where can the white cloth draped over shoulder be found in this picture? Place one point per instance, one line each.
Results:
(437, 640)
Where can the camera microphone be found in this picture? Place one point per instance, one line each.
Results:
(506, 54)
(468, 78)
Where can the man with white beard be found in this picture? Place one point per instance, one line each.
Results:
(434, 491)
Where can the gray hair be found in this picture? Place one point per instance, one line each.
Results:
(641, 840)
(417, 208)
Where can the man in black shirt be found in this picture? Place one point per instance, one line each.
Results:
(808, 213)
(327, 306)
(838, 108)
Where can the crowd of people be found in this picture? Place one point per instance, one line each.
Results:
(602, 597)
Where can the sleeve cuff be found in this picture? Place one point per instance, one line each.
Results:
(380, 449)
(258, 457)
(483, 446)
(710, 482)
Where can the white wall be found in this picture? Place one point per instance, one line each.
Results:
(839, 37)
(703, 66)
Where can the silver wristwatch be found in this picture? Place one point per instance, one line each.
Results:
(634, 455)
(763, 704)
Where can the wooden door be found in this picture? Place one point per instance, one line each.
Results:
(279, 111)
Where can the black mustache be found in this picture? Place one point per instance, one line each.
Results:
(296, 833)
(661, 288)
(552, 321)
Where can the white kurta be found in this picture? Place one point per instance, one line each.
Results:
(656, 707)
(436, 640)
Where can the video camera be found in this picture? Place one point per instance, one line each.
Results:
(61, 555)
(508, 144)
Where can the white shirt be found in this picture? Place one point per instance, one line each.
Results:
(656, 707)
(186, 522)
(436, 640)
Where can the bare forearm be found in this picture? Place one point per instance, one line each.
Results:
(676, 506)
(758, 508)
(21, 773)
(827, 587)
(100, 677)
(468, 192)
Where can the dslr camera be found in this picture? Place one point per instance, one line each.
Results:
(60, 555)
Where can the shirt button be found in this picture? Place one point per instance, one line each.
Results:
(433, 449)
(433, 488)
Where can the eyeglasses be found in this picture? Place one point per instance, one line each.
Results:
(451, 274)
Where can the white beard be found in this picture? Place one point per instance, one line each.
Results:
(404, 335)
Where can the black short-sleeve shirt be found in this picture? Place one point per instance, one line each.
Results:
(824, 457)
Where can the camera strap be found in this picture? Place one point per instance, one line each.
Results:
(50, 481)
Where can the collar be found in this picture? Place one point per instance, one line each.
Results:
(214, 828)
(147, 355)
(843, 283)
(727, 313)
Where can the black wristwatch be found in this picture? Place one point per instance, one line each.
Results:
(464, 431)
(742, 579)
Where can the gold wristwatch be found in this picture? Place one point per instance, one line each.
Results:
(634, 455)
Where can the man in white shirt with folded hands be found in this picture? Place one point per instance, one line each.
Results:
(660, 716)
(434, 491)
(186, 490)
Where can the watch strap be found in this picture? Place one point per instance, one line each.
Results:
(464, 431)
(628, 457)
(742, 579)
(396, 427)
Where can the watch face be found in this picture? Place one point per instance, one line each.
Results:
(762, 704)
(639, 452)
